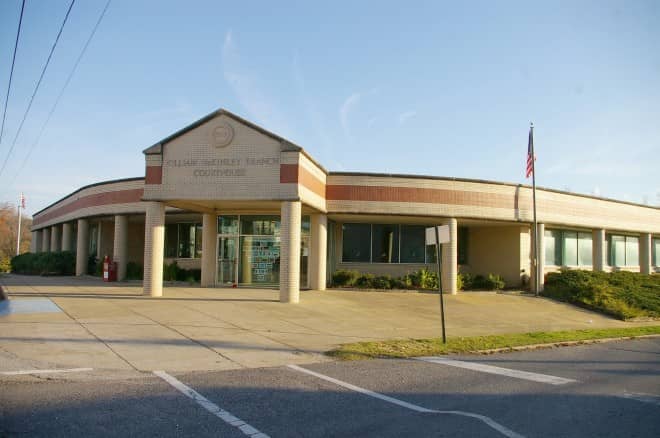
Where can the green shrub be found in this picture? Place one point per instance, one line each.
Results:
(365, 281)
(134, 271)
(382, 282)
(45, 263)
(621, 294)
(495, 282)
(466, 281)
(170, 271)
(173, 272)
(344, 278)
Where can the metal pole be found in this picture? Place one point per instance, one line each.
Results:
(442, 301)
(536, 237)
(18, 237)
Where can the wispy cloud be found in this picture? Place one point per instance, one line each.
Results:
(311, 109)
(371, 122)
(345, 110)
(405, 116)
(244, 83)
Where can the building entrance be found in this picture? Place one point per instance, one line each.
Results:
(249, 251)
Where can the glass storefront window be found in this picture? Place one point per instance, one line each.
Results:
(385, 243)
(356, 243)
(552, 244)
(260, 225)
(618, 247)
(570, 248)
(228, 225)
(412, 243)
(260, 260)
(198, 241)
(632, 251)
(183, 241)
(585, 249)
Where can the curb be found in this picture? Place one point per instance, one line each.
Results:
(561, 344)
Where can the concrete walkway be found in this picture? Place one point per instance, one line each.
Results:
(111, 326)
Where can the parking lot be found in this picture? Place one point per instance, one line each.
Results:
(80, 357)
(597, 390)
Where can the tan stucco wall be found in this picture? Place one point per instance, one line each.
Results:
(497, 250)
(136, 242)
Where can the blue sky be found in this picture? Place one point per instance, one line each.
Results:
(437, 88)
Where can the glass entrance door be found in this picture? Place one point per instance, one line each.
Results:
(227, 260)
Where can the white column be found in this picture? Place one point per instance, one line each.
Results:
(598, 253)
(67, 229)
(209, 250)
(290, 252)
(645, 255)
(55, 238)
(45, 239)
(82, 247)
(450, 259)
(120, 245)
(319, 251)
(154, 246)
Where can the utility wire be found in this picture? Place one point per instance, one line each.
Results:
(43, 71)
(11, 72)
(66, 84)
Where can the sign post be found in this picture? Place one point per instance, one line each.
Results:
(438, 235)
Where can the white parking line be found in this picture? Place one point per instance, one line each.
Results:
(645, 398)
(525, 375)
(489, 421)
(22, 372)
(210, 406)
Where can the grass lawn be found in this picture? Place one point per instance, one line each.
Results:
(624, 295)
(432, 347)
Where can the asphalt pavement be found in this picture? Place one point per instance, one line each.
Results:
(605, 390)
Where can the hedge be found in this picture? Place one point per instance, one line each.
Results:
(45, 263)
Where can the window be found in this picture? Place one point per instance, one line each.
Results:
(462, 245)
(656, 252)
(552, 246)
(183, 241)
(385, 243)
(356, 243)
(624, 250)
(567, 248)
(392, 243)
(413, 243)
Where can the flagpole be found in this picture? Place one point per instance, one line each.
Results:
(18, 237)
(535, 234)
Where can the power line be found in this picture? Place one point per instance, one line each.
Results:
(43, 72)
(66, 84)
(11, 72)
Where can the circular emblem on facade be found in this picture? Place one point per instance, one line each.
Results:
(222, 135)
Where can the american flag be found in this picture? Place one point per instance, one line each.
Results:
(530, 153)
(22, 201)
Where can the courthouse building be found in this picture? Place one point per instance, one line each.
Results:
(249, 208)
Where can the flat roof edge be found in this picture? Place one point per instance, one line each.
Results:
(484, 181)
(112, 181)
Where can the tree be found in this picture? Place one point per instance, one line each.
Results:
(8, 230)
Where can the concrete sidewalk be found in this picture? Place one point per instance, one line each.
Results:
(111, 326)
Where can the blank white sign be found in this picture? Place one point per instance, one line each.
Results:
(443, 234)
